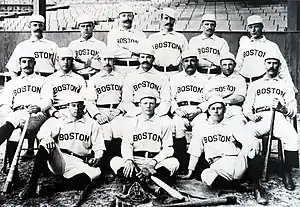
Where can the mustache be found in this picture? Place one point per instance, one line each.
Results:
(38, 30)
(127, 21)
(145, 62)
(168, 24)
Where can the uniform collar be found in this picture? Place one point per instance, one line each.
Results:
(266, 78)
(61, 74)
(129, 30)
(166, 33)
(92, 39)
(142, 118)
(22, 76)
(263, 39)
(233, 75)
(32, 39)
(82, 120)
(202, 36)
(184, 74)
(141, 71)
(104, 74)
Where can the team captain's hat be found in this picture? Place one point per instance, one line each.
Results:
(64, 52)
(254, 19)
(146, 93)
(189, 53)
(84, 18)
(170, 12)
(229, 56)
(37, 18)
(208, 17)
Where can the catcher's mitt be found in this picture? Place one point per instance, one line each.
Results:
(136, 195)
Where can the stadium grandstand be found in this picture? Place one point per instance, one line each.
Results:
(61, 15)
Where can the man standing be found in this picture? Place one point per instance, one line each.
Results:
(231, 86)
(86, 49)
(209, 46)
(23, 96)
(253, 51)
(70, 147)
(146, 77)
(264, 95)
(61, 86)
(168, 44)
(186, 98)
(227, 151)
(44, 50)
(123, 41)
(147, 145)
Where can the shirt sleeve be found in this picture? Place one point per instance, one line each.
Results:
(174, 105)
(91, 98)
(239, 57)
(127, 143)
(165, 95)
(13, 63)
(167, 140)
(50, 129)
(127, 97)
(7, 97)
(196, 145)
(249, 101)
(291, 103)
(97, 138)
(224, 50)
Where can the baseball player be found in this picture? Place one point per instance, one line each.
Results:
(87, 48)
(254, 50)
(209, 46)
(70, 147)
(123, 41)
(23, 96)
(227, 151)
(168, 44)
(186, 97)
(271, 92)
(231, 86)
(44, 50)
(63, 84)
(104, 94)
(146, 77)
(147, 145)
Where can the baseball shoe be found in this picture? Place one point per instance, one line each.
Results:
(288, 181)
(259, 198)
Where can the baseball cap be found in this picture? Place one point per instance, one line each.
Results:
(126, 9)
(170, 12)
(84, 19)
(107, 53)
(254, 19)
(37, 18)
(146, 93)
(189, 53)
(229, 56)
(64, 52)
(215, 99)
(145, 48)
(208, 17)
(26, 54)
(74, 99)
(272, 55)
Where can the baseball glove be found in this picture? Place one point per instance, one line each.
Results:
(136, 195)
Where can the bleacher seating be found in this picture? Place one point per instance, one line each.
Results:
(230, 15)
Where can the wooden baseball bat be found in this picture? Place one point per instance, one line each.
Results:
(229, 200)
(269, 145)
(174, 193)
(14, 163)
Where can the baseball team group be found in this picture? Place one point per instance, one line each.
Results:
(128, 105)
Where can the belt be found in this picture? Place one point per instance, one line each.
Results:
(215, 159)
(43, 74)
(170, 68)
(210, 70)
(261, 109)
(110, 106)
(21, 107)
(252, 79)
(64, 106)
(126, 62)
(84, 158)
(185, 103)
(145, 154)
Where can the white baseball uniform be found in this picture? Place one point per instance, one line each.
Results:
(218, 142)
(146, 139)
(227, 87)
(119, 39)
(62, 87)
(104, 94)
(79, 137)
(87, 50)
(168, 47)
(19, 93)
(251, 56)
(211, 49)
(44, 52)
(186, 94)
(259, 100)
(153, 80)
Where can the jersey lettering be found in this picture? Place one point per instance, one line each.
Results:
(254, 52)
(270, 90)
(224, 88)
(208, 50)
(86, 52)
(147, 84)
(127, 40)
(191, 88)
(108, 87)
(147, 135)
(74, 135)
(45, 55)
(27, 88)
(65, 87)
(167, 44)
(216, 138)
